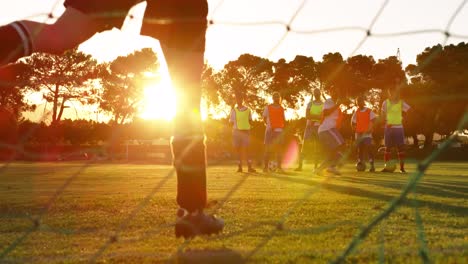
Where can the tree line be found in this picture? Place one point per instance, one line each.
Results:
(436, 88)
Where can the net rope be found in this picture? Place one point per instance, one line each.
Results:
(277, 226)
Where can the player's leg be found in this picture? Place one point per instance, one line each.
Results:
(236, 143)
(248, 158)
(279, 150)
(301, 157)
(181, 26)
(370, 154)
(388, 141)
(360, 149)
(242, 156)
(239, 151)
(304, 148)
(80, 20)
(316, 147)
(267, 150)
(322, 137)
(400, 138)
(243, 153)
(330, 141)
(336, 143)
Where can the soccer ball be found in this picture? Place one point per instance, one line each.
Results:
(272, 165)
(360, 166)
(390, 167)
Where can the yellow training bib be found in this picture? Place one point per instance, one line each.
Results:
(394, 113)
(316, 110)
(242, 119)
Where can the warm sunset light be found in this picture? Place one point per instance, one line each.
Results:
(234, 131)
(159, 101)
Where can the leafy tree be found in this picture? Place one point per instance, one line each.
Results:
(447, 67)
(386, 71)
(293, 78)
(249, 76)
(332, 73)
(437, 89)
(360, 73)
(12, 92)
(123, 81)
(62, 78)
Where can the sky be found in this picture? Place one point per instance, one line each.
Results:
(227, 38)
(259, 27)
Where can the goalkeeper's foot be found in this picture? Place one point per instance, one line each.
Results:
(333, 170)
(189, 225)
(298, 168)
(280, 170)
(252, 170)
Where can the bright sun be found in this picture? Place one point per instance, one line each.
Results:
(159, 101)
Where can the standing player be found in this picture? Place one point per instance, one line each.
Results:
(241, 120)
(393, 111)
(362, 123)
(274, 119)
(310, 145)
(180, 26)
(329, 136)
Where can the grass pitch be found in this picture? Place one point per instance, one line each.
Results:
(77, 212)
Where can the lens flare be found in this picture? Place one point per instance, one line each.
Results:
(291, 155)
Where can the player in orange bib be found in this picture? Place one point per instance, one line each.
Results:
(275, 121)
(362, 123)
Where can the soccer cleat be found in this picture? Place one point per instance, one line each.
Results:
(318, 172)
(190, 225)
(333, 170)
(387, 169)
(239, 169)
(280, 170)
(298, 169)
(265, 170)
(372, 168)
(402, 170)
(252, 170)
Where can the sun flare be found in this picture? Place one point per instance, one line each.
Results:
(159, 101)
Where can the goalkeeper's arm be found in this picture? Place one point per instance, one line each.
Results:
(21, 38)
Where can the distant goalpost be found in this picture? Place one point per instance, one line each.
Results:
(148, 150)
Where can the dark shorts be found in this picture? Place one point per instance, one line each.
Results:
(240, 138)
(363, 141)
(273, 137)
(180, 23)
(331, 139)
(394, 137)
(311, 132)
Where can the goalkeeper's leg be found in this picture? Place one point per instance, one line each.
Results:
(183, 43)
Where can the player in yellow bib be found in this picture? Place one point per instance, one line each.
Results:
(241, 120)
(310, 145)
(393, 111)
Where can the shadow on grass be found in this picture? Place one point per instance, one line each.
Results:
(449, 191)
(209, 256)
(368, 193)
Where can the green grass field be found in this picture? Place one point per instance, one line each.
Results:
(74, 212)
